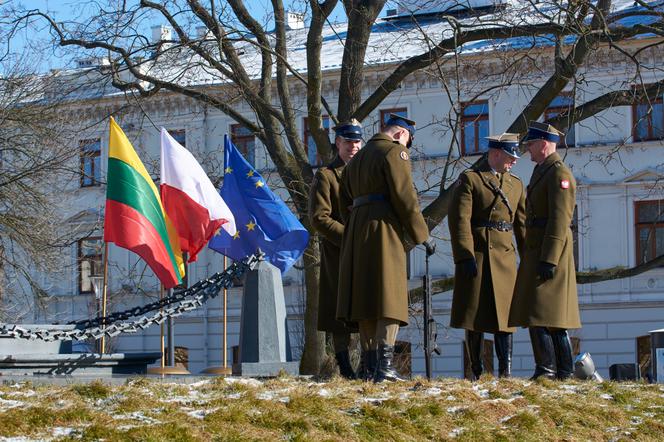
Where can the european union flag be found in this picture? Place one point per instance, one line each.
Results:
(262, 218)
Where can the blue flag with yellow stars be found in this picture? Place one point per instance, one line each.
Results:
(262, 218)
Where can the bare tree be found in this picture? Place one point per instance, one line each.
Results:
(235, 59)
(34, 170)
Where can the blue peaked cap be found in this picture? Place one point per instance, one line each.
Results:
(542, 131)
(350, 130)
(507, 142)
(398, 120)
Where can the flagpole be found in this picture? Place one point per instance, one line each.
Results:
(225, 323)
(103, 298)
(224, 370)
(165, 368)
(162, 347)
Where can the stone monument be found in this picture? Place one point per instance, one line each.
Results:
(264, 343)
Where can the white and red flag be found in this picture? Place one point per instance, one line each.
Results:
(190, 199)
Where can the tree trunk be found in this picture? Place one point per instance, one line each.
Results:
(314, 341)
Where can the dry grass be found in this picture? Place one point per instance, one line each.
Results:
(285, 408)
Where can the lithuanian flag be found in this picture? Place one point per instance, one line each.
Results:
(135, 218)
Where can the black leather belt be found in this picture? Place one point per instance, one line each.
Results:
(368, 199)
(502, 226)
(537, 222)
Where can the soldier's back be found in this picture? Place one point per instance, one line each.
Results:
(365, 172)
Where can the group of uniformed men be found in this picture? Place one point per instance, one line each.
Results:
(366, 211)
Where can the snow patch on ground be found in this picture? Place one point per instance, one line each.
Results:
(455, 433)
(200, 414)
(62, 431)
(28, 393)
(6, 404)
(433, 391)
(243, 381)
(20, 439)
(138, 416)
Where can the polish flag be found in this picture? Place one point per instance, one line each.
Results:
(190, 199)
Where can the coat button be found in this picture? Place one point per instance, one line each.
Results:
(491, 247)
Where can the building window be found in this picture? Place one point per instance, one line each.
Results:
(562, 103)
(245, 141)
(385, 115)
(89, 262)
(649, 218)
(310, 144)
(179, 135)
(648, 120)
(474, 127)
(90, 155)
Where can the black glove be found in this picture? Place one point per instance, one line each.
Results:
(467, 268)
(430, 247)
(545, 270)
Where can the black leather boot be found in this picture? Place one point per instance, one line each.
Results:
(345, 368)
(384, 369)
(503, 344)
(367, 365)
(563, 349)
(475, 346)
(543, 352)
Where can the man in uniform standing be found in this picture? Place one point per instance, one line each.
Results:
(488, 205)
(382, 214)
(545, 297)
(326, 219)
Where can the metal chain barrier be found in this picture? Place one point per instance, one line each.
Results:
(170, 307)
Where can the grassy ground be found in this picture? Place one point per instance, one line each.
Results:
(300, 409)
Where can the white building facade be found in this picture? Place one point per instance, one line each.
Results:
(617, 160)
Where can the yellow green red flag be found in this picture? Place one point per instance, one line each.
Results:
(135, 218)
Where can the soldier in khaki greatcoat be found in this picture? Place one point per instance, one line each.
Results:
(382, 213)
(326, 219)
(545, 297)
(487, 208)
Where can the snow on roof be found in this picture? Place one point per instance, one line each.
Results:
(391, 41)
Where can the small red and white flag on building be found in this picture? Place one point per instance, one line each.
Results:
(190, 199)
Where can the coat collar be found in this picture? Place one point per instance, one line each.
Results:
(487, 174)
(382, 137)
(336, 163)
(541, 170)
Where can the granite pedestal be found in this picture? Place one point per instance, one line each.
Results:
(29, 357)
(264, 344)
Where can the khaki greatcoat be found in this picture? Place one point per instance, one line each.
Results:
(326, 220)
(373, 281)
(553, 303)
(483, 303)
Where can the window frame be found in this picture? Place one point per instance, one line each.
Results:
(650, 136)
(384, 114)
(89, 156)
(306, 134)
(98, 258)
(240, 141)
(652, 226)
(554, 111)
(176, 133)
(475, 118)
